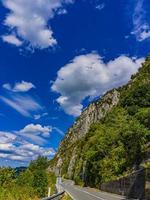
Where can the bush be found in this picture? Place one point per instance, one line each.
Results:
(29, 184)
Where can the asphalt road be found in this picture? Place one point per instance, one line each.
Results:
(79, 193)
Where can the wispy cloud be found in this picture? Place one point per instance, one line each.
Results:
(59, 131)
(141, 25)
(39, 116)
(100, 6)
(22, 86)
(25, 105)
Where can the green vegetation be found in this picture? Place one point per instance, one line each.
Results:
(117, 145)
(66, 197)
(31, 184)
(52, 182)
(112, 148)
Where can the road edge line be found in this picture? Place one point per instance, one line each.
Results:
(70, 195)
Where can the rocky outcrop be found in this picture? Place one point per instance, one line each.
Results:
(94, 157)
(71, 164)
(92, 114)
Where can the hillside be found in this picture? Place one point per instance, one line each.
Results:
(110, 137)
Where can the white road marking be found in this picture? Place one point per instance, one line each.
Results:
(90, 194)
(83, 191)
(70, 195)
(111, 194)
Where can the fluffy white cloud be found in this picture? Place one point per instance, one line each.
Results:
(141, 26)
(88, 76)
(22, 86)
(37, 129)
(38, 133)
(12, 39)
(28, 19)
(25, 105)
(24, 151)
(14, 146)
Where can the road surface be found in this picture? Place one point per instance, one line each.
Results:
(79, 193)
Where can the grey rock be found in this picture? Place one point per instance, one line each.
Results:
(92, 114)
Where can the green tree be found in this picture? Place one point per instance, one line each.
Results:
(40, 163)
(40, 182)
(25, 178)
(38, 169)
(7, 175)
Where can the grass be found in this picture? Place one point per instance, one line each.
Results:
(66, 197)
(14, 191)
(52, 182)
(17, 193)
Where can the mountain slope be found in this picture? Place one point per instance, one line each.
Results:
(108, 139)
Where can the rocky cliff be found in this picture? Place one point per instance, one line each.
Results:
(93, 113)
(124, 104)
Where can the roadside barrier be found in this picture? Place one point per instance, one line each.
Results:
(55, 196)
(131, 186)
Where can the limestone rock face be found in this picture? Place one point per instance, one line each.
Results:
(85, 156)
(92, 114)
(71, 164)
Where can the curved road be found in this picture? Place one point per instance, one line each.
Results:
(79, 193)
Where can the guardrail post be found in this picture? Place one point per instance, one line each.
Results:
(49, 192)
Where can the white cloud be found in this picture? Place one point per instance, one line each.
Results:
(35, 132)
(88, 76)
(12, 39)
(26, 144)
(14, 146)
(29, 20)
(22, 86)
(58, 131)
(36, 117)
(25, 105)
(38, 133)
(7, 86)
(141, 27)
(39, 116)
(25, 151)
(3, 155)
(145, 34)
(17, 157)
(100, 6)
(6, 147)
(36, 129)
(6, 137)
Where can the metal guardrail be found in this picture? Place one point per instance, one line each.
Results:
(54, 196)
(59, 189)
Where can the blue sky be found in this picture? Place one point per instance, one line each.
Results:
(55, 57)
